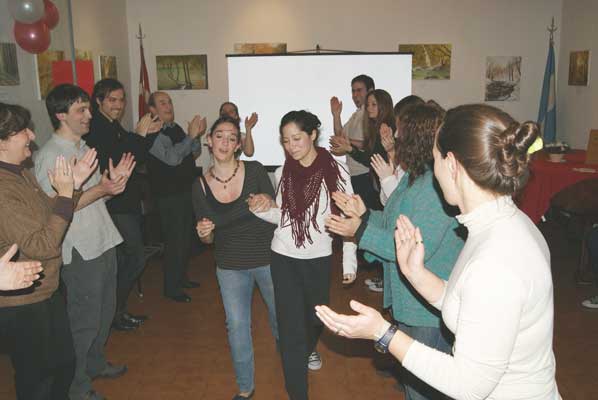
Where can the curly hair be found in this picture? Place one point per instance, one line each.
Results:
(418, 129)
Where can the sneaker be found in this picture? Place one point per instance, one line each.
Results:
(378, 287)
(314, 361)
(373, 281)
(592, 302)
(111, 371)
(93, 395)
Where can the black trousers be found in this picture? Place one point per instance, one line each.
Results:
(363, 185)
(130, 257)
(176, 219)
(39, 339)
(299, 285)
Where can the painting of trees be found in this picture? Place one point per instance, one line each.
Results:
(430, 61)
(503, 76)
(9, 69)
(188, 72)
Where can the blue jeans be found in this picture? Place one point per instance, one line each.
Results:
(236, 288)
(416, 389)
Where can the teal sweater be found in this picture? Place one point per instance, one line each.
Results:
(423, 204)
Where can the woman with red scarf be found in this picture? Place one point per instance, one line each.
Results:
(301, 247)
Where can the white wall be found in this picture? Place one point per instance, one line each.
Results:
(99, 26)
(475, 28)
(577, 106)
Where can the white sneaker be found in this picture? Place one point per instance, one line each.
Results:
(592, 302)
(373, 281)
(314, 361)
(377, 287)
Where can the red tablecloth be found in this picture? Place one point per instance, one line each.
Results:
(548, 178)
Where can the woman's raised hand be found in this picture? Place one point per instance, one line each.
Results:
(410, 249)
(61, 178)
(382, 168)
(340, 145)
(350, 205)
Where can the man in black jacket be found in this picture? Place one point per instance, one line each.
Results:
(112, 142)
(171, 167)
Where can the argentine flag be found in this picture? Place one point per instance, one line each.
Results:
(547, 113)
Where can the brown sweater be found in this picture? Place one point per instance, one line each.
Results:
(37, 224)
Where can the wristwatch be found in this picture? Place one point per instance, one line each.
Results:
(381, 345)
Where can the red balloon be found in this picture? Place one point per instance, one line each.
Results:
(51, 16)
(34, 38)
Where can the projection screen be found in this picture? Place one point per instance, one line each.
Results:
(272, 85)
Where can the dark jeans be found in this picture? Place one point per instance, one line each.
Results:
(299, 285)
(91, 302)
(41, 348)
(436, 338)
(176, 219)
(130, 257)
(364, 187)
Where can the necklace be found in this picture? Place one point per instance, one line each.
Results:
(225, 181)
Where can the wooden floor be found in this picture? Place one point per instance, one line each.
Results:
(182, 352)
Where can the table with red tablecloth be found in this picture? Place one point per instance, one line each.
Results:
(548, 178)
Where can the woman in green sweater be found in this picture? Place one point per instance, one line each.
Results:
(418, 197)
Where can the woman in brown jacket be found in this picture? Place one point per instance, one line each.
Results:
(34, 319)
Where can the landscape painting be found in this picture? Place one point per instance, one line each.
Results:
(430, 61)
(503, 78)
(9, 68)
(188, 72)
(260, 48)
(579, 67)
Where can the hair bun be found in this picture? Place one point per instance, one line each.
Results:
(513, 157)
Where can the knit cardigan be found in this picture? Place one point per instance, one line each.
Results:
(27, 218)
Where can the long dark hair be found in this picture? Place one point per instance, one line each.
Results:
(371, 127)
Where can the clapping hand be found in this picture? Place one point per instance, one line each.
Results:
(410, 249)
(148, 124)
(387, 137)
(83, 168)
(61, 178)
(197, 127)
(336, 106)
(365, 325)
(350, 205)
(382, 168)
(343, 226)
(250, 122)
(125, 166)
(340, 145)
(113, 187)
(17, 275)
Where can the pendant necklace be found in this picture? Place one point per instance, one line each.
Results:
(225, 181)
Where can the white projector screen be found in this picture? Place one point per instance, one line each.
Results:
(272, 85)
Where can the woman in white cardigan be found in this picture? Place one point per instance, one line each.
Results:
(498, 300)
(301, 246)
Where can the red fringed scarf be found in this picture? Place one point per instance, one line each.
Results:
(300, 189)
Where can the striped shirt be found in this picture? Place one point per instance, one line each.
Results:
(241, 240)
